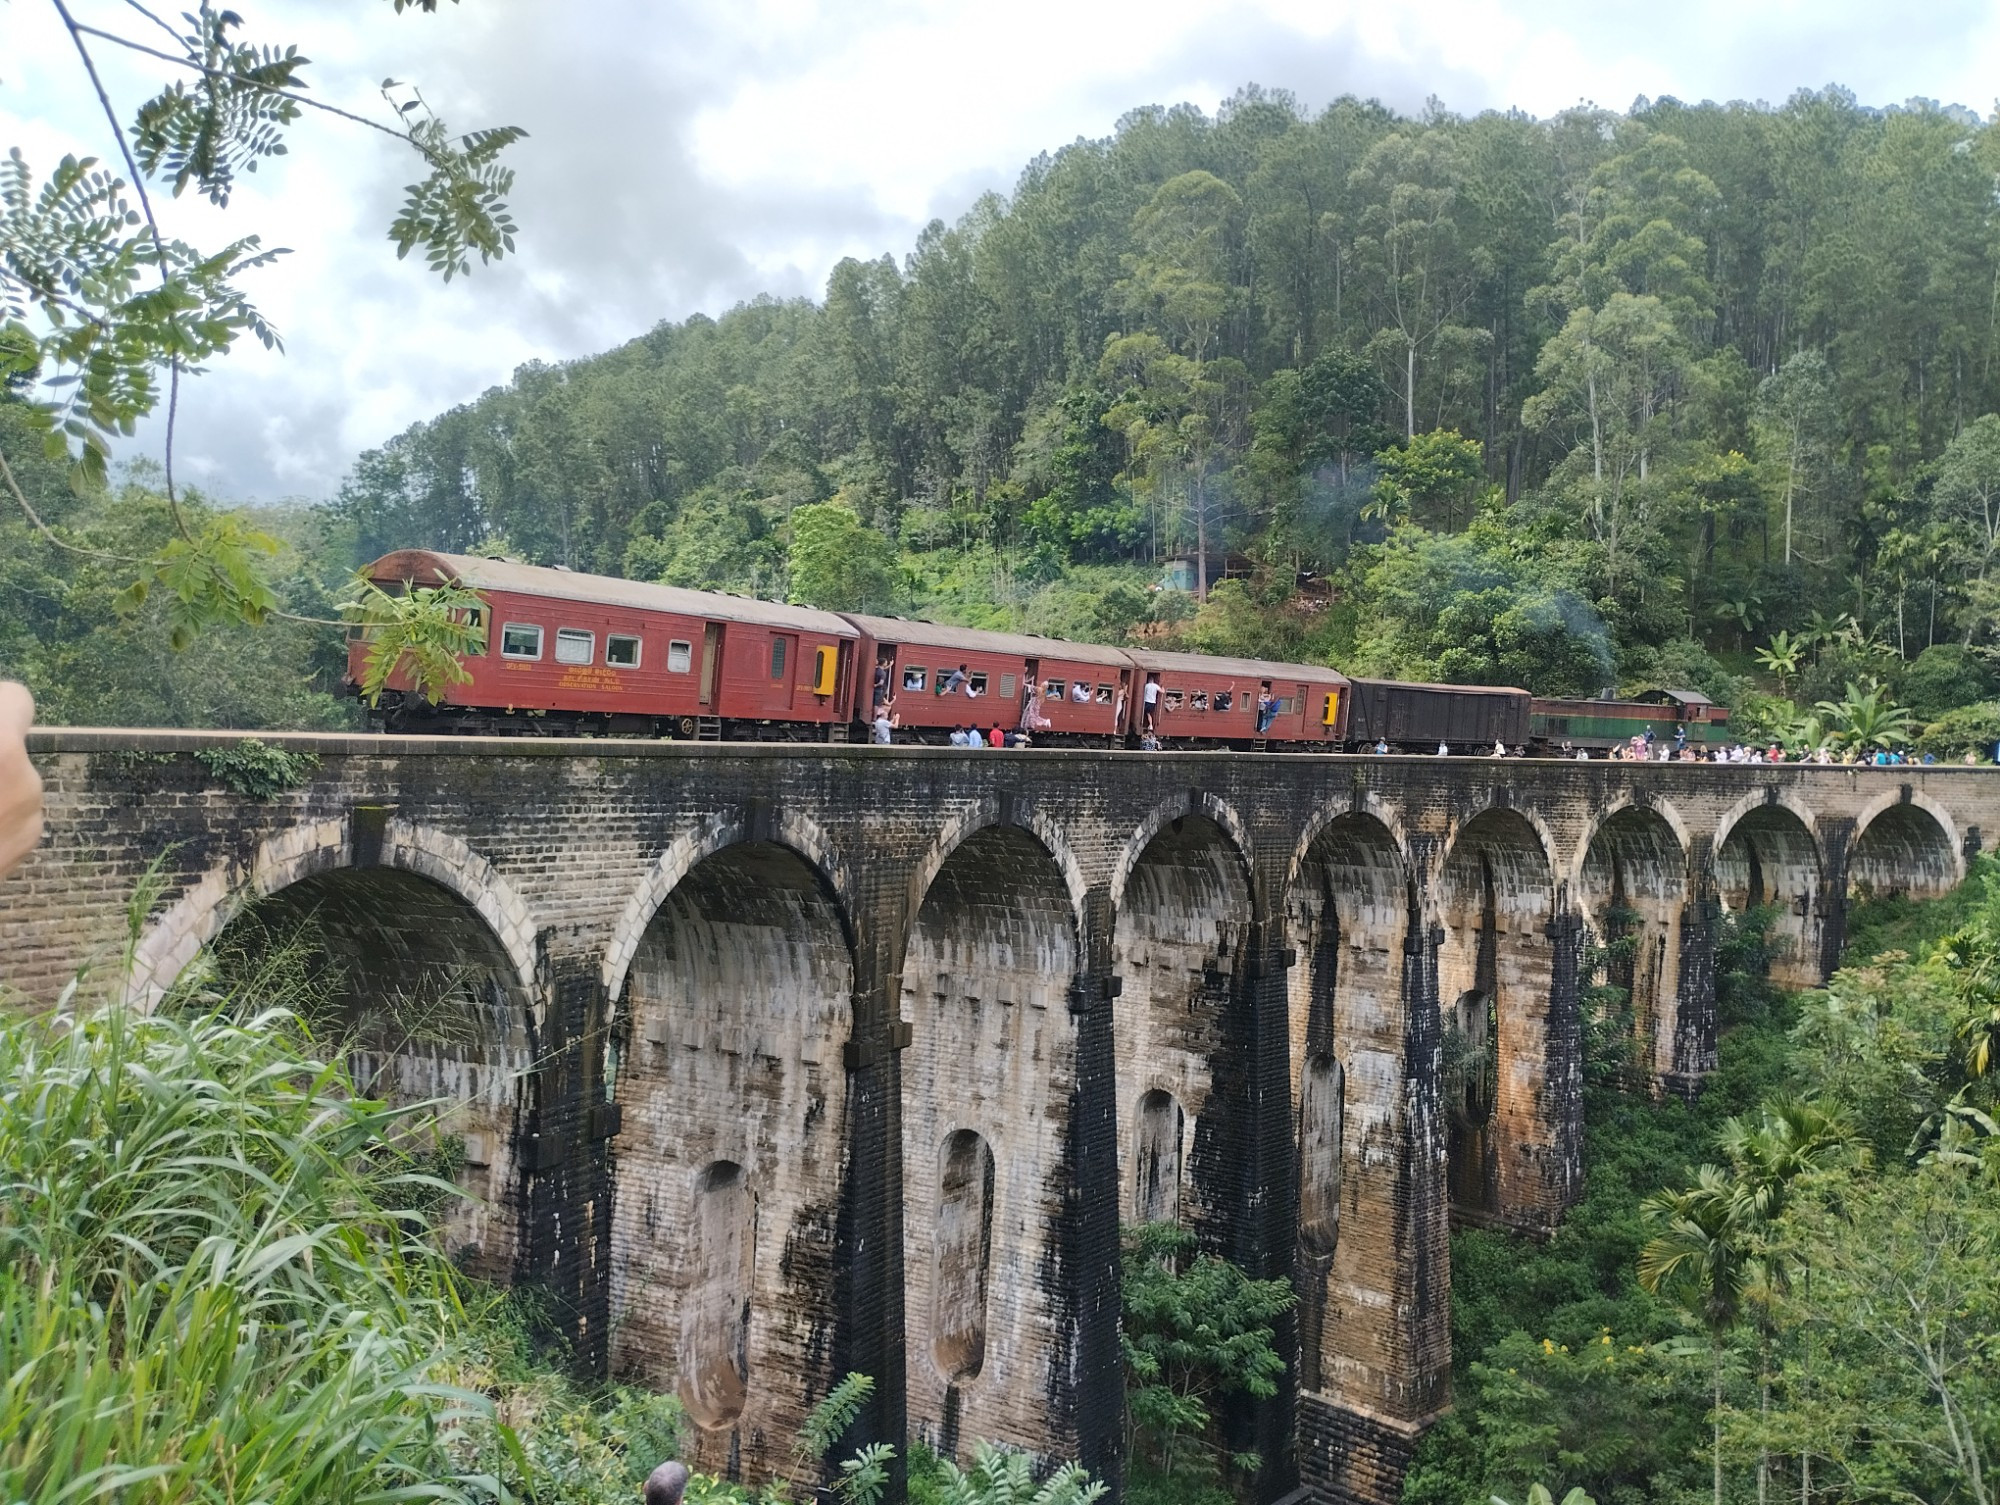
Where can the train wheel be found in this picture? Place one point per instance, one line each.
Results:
(685, 726)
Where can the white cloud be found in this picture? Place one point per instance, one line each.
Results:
(685, 156)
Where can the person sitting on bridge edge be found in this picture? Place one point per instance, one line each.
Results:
(1499, 750)
(1381, 748)
(666, 1485)
(1150, 742)
(885, 721)
(996, 737)
(1444, 749)
(953, 681)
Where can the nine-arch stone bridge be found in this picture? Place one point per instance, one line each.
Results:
(770, 1064)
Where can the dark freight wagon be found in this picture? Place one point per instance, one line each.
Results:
(1416, 718)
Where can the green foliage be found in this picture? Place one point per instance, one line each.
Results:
(838, 563)
(421, 631)
(1864, 719)
(1195, 1329)
(257, 769)
(999, 1476)
(1966, 729)
(101, 314)
(204, 1261)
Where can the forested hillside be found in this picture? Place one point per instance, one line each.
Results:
(1556, 402)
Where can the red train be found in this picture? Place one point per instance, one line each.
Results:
(568, 653)
(571, 653)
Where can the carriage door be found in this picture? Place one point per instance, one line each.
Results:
(784, 669)
(1030, 682)
(1304, 719)
(711, 658)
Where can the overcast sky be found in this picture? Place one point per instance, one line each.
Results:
(686, 156)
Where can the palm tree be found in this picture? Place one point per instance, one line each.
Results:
(1792, 1138)
(1865, 718)
(1701, 1261)
(1782, 658)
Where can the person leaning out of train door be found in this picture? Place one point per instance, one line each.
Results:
(881, 696)
(1151, 702)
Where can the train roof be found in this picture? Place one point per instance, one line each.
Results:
(1678, 697)
(1414, 684)
(1245, 668)
(422, 566)
(914, 634)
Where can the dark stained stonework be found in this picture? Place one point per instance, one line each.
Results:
(908, 1030)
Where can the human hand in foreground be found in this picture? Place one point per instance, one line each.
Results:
(20, 785)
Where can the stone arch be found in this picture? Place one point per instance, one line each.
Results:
(1512, 1074)
(1366, 804)
(1351, 913)
(987, 977)
(1904, 843)
(1766, 856)
(1180, 935)
(423, 997)
(1766, 797)
(992, 812)
(304, 851)
(1174, 811)
(1662, 810)
(722, 829)
(1632, 885)
(738, 1005)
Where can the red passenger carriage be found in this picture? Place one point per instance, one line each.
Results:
(1205, 700)
(568, 652)
(945, 677)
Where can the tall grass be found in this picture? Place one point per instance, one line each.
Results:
(214, 1282)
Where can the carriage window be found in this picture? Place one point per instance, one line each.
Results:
(575, 646)
(476, 620)
(1287, 704)
(680, 658)
(621, 651)
(519, 640)
(1052, 689)
(1198, 700)
(1224, 700)
(1079, 691)
(975, 684)
(1007, 686)
(914, 676)
(777, 658)
(1104, 695)
(1173, 699)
